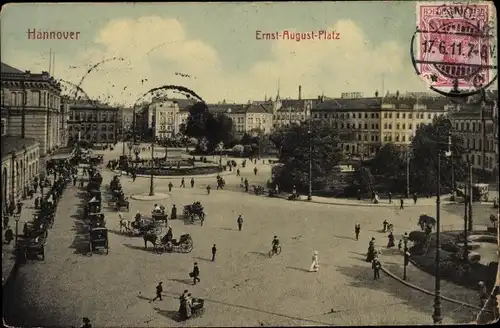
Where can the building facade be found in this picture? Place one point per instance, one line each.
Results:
(477, 125)
(20, 166)
(63, 122)
(31, 107)
(366, 124)
(125, 121)
(246, 118)
(93, 122)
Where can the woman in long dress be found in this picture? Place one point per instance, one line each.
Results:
(391, 240)
(315, 262)
(189, 305)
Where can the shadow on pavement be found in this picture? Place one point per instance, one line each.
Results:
(228, 229)
(297, 269)
(174, 315)
(344, 237)
(143, 298)
(260, 253)
(203, 259)
(183, 281)
(140, 248)
(362, 276)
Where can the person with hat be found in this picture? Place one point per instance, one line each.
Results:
(371, 250)
(376, 267)
(240, 222)
(357, 229)
(159, 290)
(196, 273)
(315, 264)
(182, 307)
(86, 323)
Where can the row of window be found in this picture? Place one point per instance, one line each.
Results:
(477, 160)
(92, 117)
(489, 145)
(397, 138)
(289, 117)
(373, 138)
(375, 115)
(87, 127)
(104, 136)
(468, 127)
(33, 98)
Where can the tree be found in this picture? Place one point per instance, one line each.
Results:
(197, 120)
(277, 138)
(424, 158)
(182, 129)
(326, 155)
(364, 180)
(388, 161)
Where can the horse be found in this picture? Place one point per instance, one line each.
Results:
(151, 237)
(124, 224)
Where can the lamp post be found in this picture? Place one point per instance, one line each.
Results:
(408, 154)
(437, 316)
(130, 147)
(406, 254)
(309, 133)
(153, 128)
(17, 217)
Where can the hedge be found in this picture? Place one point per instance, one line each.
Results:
(179, 171)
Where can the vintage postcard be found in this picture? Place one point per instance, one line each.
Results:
(243, 164)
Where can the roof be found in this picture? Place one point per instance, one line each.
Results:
(256, 109)
(409, 102)
(239, 108)
(4, 68)
(15, 144)
(349, 104)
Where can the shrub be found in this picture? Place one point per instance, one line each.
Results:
(450, 247)
(247, 149)
(417, 237)
(238, 149)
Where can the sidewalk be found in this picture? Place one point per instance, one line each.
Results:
(177, 177)
(8, 257)
(382, 202)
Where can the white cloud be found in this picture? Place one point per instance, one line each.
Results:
(156, 48)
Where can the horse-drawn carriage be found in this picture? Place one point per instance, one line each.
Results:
(32, 248)
(122, 203)
(144, 226)
(426, 222)
(193, 211)
(162, 245)
(98, 239)
(97, 220)
(159, 215)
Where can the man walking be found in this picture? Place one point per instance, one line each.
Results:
(255, 171)
(240, 222)
(357, 229)
(159, 290)
(402, 204)
(208, 190)
(19, 207)
(390, 197)
(237, 172)
(415, 198)
(214, 250)
(74, 180)
(192, 182)
(170, 186)
(183, 184)
(376, 268)
(196, 273)
(483, 294)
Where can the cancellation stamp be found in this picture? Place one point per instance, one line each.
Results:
(454, 48)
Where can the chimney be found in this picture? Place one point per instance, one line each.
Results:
(300, 92)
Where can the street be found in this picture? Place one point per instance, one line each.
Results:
(243, 287)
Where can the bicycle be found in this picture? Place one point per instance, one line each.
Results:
(277, 252)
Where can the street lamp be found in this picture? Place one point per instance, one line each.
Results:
(437, 316)
(153, 128)
(17, 217)
(130, 147)
(406, 254)
(309, 133)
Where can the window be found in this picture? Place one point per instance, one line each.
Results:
(4, 126)
(13, 99)
(373, 115)
(35, 98)
(390, 115)
(397, 115)
(390, 126)
(359, 125)
(397, 126)
(410, 115)
(373, 138)
(359, 115)
(376, 126)
(385, 115)
(422, 116)
(348, 125)
(397, 137)
(480, 144)
(404, 115)
(456, 126)
(404, 126)
(409, 127)
(429, 116)
(359, 136)
(366, 137)
(385, 125)
(467, 127)
(376, 138)
(377, 115)
(366, 115)
(403, 138)
(373, 126)
(366, 125)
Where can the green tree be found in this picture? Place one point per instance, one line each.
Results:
(424, 157)
(364, 180)
(294, 155)
(388, 161)
(197, 120)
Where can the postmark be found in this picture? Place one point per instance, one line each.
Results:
(453, 48)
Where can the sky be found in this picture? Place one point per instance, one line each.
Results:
(215, 48)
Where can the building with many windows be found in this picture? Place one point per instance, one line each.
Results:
(31, 107)
(94, 122)
(246, 118)
(477, 125)
(20, 166)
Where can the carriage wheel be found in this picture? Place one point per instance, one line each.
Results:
(278, 250)
(271, 253)
(107, 248)
(187, 247)
(159, 249)
(43, 253)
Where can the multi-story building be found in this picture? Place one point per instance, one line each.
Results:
(20, 165)
(31, 106)
(63, 122)
(125, 121)
(292, 111)
(94, 122)
(477, 125)
(365, 124)
(246, 118)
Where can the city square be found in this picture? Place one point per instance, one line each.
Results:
(243, 286)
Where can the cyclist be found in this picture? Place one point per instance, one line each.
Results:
(275, 243)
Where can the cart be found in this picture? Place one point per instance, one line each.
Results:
(98, 239)
(184, 245)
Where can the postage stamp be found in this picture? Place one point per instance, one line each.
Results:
(455, 47)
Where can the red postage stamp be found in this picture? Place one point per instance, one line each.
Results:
(455, 44)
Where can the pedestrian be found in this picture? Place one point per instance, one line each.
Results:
(400, 244)
(9, 235)
(240, 222)
(237, 172)
(208, 190)
(86, 323)
(37, 202)
(159, 290)
(415, 198)
(192, 182)
(183, 184)
(173, 213)
(196, 273)
(277, 189)
(390, 197)
(214, 250)
(376, 268)
(357, 229)
(390, 244)
(170, 186)
(483, 294)
(315, 263)
(402, 204)
(12, 208)
(255, 170)
(134, 176)
(81, 183)
(19, 207)
(246, 184)
(74, 181)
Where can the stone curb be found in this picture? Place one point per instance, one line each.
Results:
(392, 275)
(146, 197)
(178, 177)
(369, 204)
